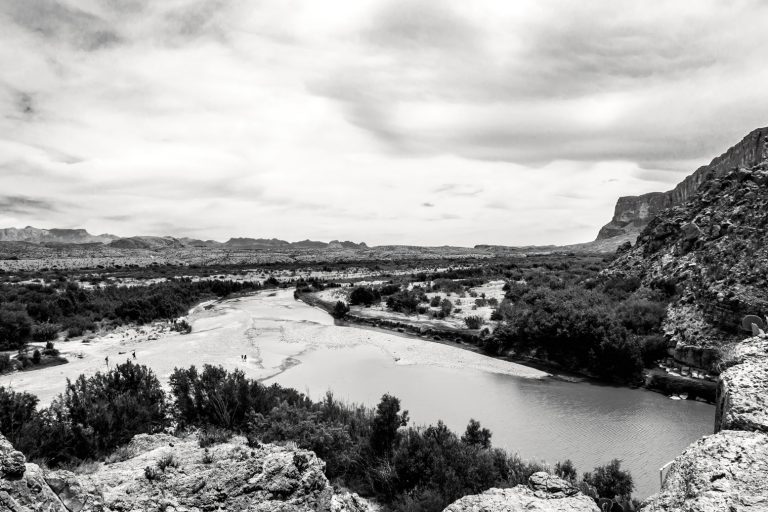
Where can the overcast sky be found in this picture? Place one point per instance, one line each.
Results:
(407, 122)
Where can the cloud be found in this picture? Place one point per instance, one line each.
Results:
(26, 205)
(391, 121)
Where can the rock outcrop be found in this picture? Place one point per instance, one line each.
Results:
(742, 394)
(544, 492)
(727, 470)
(723, 472)
(165, 473)
(632, 213)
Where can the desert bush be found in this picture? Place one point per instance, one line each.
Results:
(213, 435)
(15, 327)
(120, 454)
(181, 326)
(474, 322)
(167, 460)
(5, 363)
(610, 481)
(340, 310)
(45, 331)
(364, 296)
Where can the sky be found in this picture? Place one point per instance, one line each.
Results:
(440, 122)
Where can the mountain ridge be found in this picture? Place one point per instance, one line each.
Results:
(80, 236)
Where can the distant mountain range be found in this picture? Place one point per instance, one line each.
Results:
(39, 236)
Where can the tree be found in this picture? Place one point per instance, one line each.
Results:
(386, 422)
(364, 296)
(446, 307)
(108, 409)
(475, 435)
(610, 481)
(340, 310)
(15, 328)
(566, 470)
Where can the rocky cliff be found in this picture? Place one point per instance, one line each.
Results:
(632, 213)
(727, 470)
(713, 251)
(162, 473)
(544, 492)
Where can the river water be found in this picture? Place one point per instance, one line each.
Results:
(528, 412)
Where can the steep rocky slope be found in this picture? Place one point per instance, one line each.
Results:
(632, 213)
(228, 476)
(714, 249)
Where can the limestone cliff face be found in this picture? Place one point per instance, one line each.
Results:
(633, 213)
(162, 473)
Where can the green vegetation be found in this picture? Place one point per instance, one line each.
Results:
(371, 451)
(32, 311)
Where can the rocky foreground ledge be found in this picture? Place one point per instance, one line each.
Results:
(728, 470)
(544, 493)
(227, 476)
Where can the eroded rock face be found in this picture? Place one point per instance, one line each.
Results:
(228, 476)
(544, 492)
(727, 471)
(632, 213)
(742, 394)
(714, 250)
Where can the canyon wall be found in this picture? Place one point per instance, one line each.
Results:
(632, 213)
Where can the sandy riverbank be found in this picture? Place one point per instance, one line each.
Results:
(270, 328)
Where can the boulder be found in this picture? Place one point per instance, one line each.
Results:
(11, 461)
(544, 493)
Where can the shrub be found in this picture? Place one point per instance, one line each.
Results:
(108, 409)
(167, 460)
(435, 301)
(610, 481)
(120, 454)
(15, 328)
(151, 473)
(36, 356)
(389, 289)
(474, 322)
(364, 296)
(213, 435)
(475, 435)
(45, 332)
(340, 310)
(181, 326)
(5, 363)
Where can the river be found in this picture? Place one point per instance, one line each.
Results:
(296, 345)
